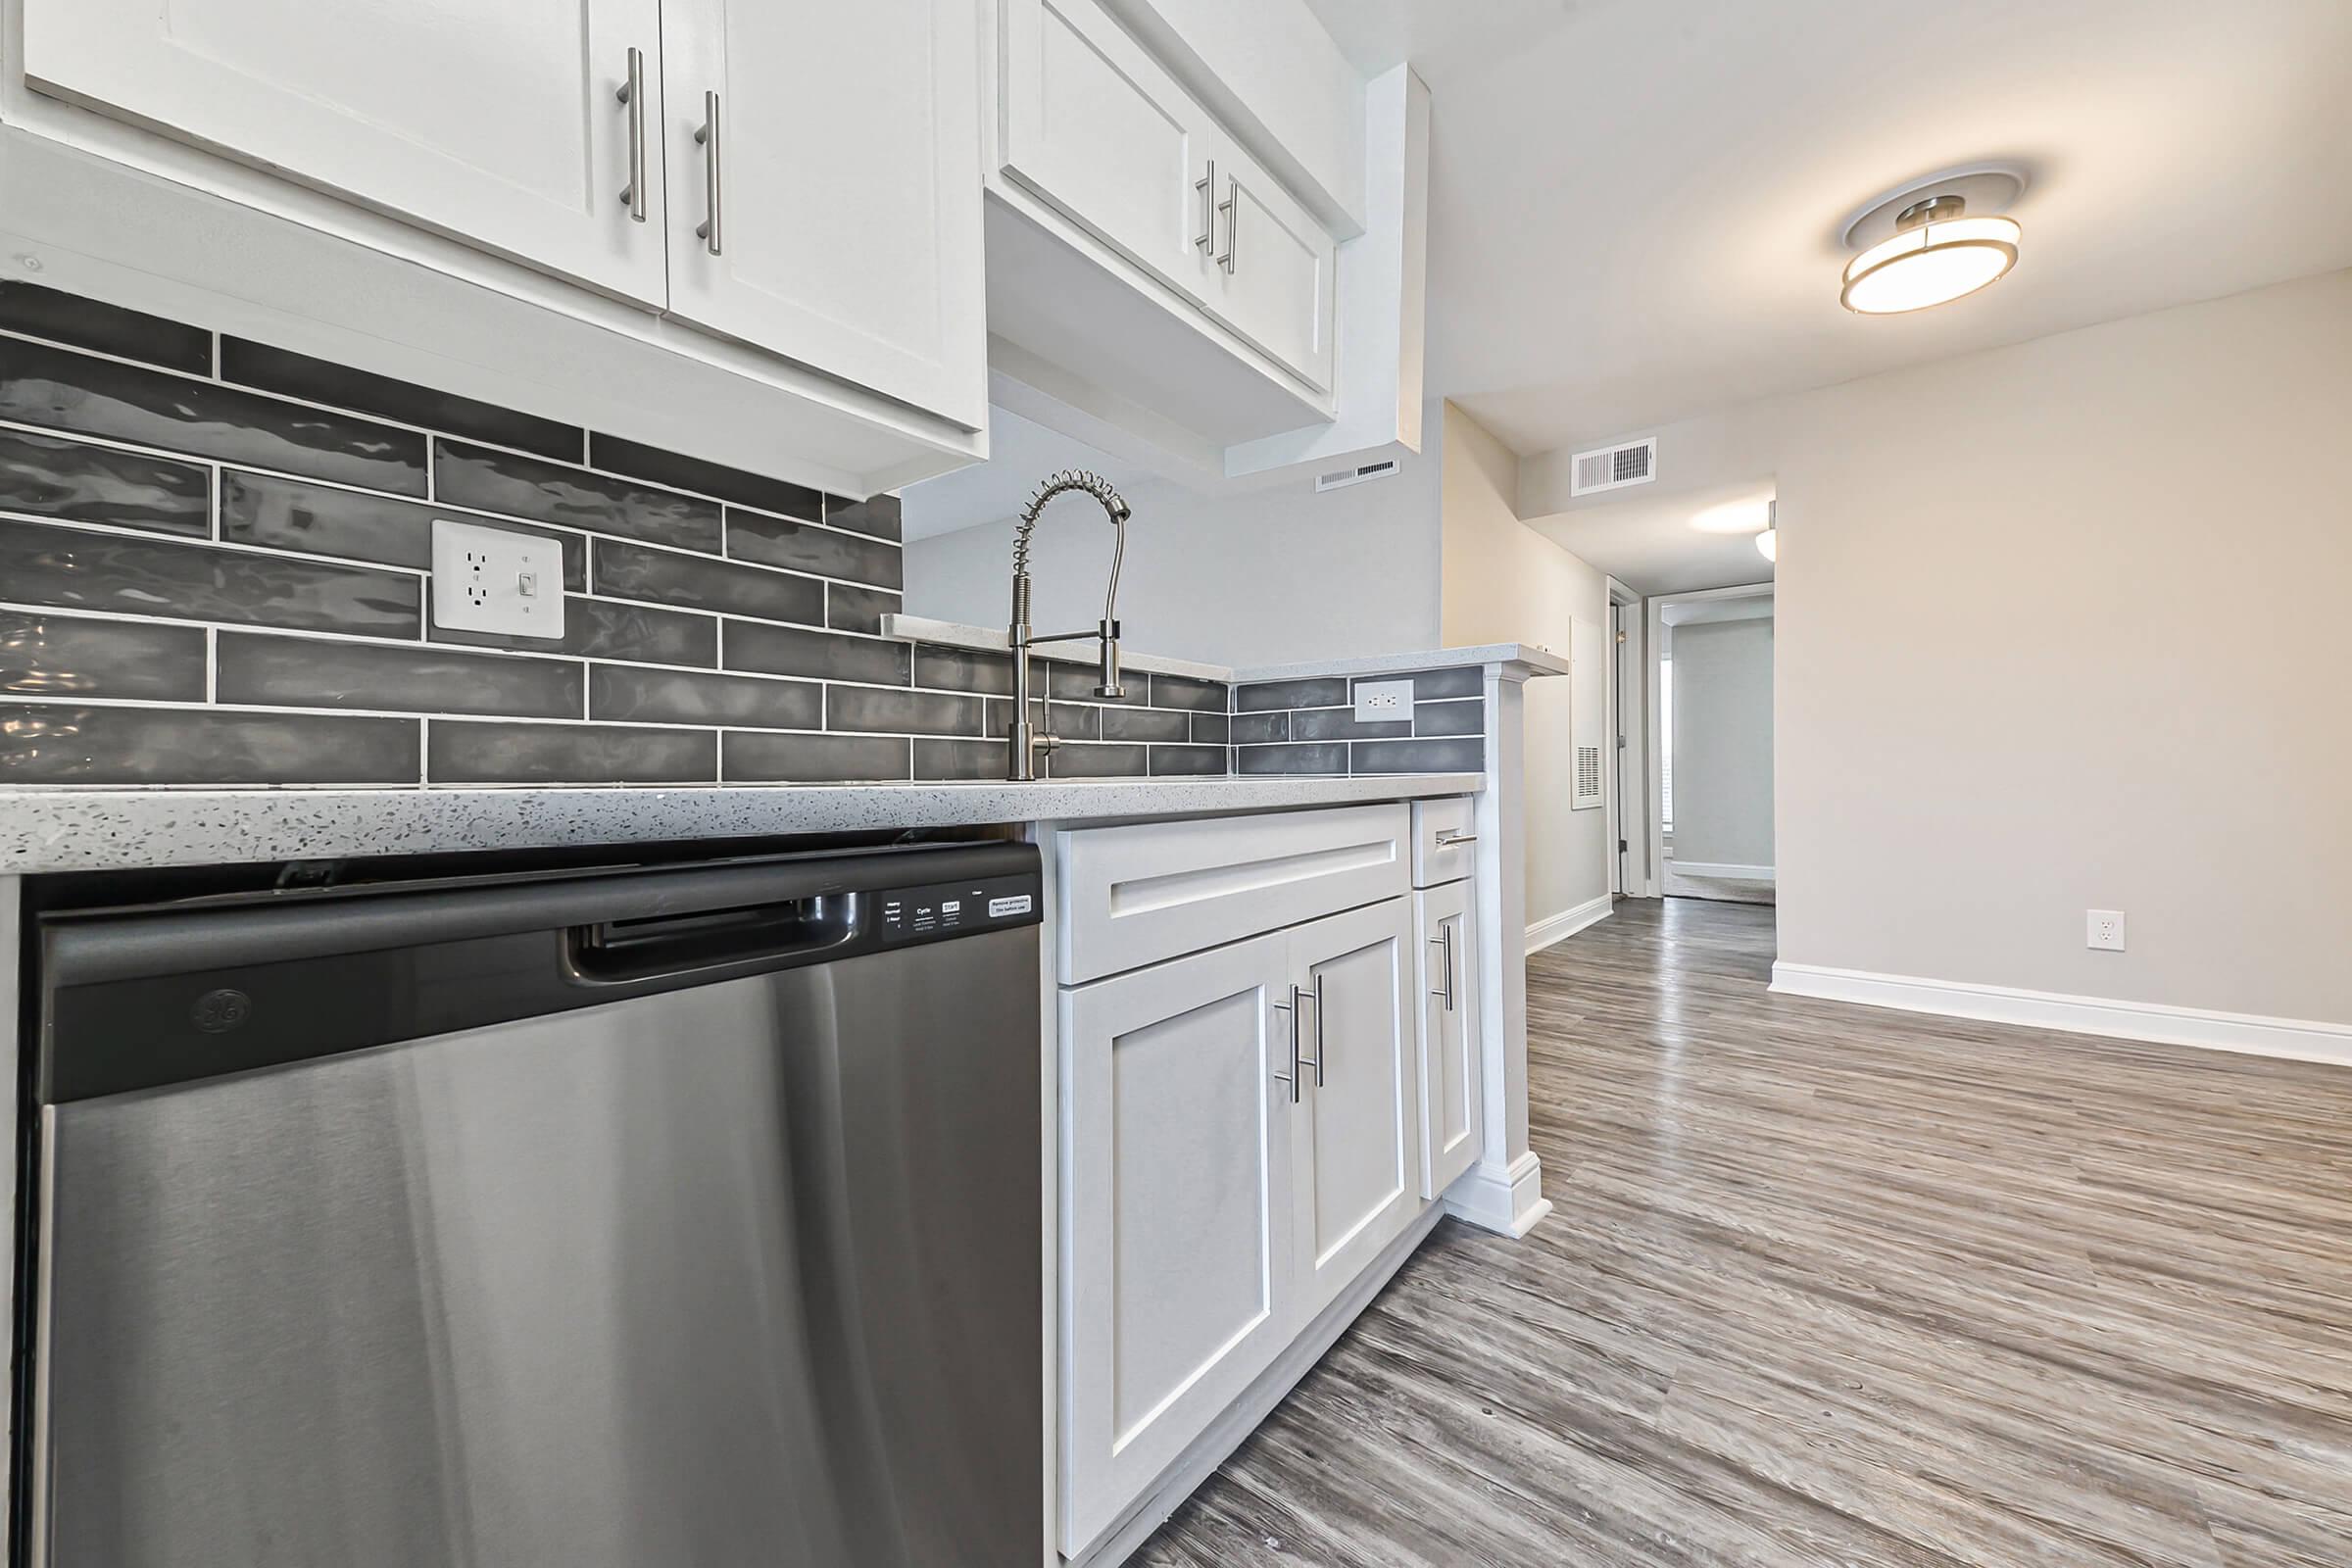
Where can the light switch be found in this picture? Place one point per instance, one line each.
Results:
(489, 579)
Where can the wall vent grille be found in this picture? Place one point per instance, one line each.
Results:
(1614, 468)
(1342, 478)
(1587, 776)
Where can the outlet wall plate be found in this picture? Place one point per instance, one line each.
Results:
(2104, 930)
(1380, 701)
(494, 579)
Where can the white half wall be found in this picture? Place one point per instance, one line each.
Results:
(1723, 745)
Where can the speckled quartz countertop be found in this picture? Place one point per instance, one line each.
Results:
(85, 830)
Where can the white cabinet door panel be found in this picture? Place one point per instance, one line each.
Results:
(1271, 274)
(499, 125)
(1177, 1197)
(1357, 1157)
(1094, 125)
(848, 189)
(1450, 1038)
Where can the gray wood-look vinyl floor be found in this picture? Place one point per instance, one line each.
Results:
(1833, 1285)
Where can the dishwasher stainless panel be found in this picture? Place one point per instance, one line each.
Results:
(733, 1271)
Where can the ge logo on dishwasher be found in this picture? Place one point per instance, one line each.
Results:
(219, 1011)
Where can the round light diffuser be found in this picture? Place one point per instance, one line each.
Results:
(1936, 254)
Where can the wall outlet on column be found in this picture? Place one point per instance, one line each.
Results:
(2107, 930)
(497, 580)
(1382, 702)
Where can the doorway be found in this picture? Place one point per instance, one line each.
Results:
(1711, 744)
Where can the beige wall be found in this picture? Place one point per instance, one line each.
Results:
(1504, 582)
(2065, 626)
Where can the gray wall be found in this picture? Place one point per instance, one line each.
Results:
(1723, 743)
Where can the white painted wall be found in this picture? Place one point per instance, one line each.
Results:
(1504, 582)
(1723, 742)
(2062, 626)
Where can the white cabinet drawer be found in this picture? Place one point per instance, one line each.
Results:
(1444, 836)
(1132, 896)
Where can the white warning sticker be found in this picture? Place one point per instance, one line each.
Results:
(999, 908)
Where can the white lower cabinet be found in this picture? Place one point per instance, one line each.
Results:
(1445, 919)
(1241, 1140)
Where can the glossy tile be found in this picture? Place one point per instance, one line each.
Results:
(605, 628)
(878, 517)
(753, 758)
(1075, 682)
(848, 609)
(268, 672)
(788, 651)
(260, 508)
(806, 547)
(1082, 761)
(962, 669)
(876, 709)
(1211, 729)
(640, 462)
(1420, 757)
(1253, 729)
(1341, 724)
(1429, 685)
(64, 656)
(461, 751)
(1188, 760)
(672, 697)
(959, 759)
(1145, 725)
(1263, 696)
(668, 577)
(75, 569)
(999, 718)
(490, 480)
(64, 744)
(88, 324)
(1323, 757)
(298, 376)
(1073, 721)
(1183, 691)
(61, 390)
(49, 476)
(1449, 719)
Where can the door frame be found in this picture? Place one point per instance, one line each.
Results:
(1653, 658)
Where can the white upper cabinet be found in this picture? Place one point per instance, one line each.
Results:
(1095, 127)
(824, 178)
(1270, 276)
(501, 124)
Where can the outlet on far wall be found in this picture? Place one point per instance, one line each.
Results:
(2106, 930)
(1379, 701)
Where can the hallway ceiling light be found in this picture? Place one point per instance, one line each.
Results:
(1935, 241)
(1735, 516)
(1768, 543)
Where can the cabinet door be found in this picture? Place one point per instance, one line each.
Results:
(1450, 1038)
(833, 213)
(1098, 130)
(1176, 1213)
(1270, 273)
(500, 125)
(1358, 1162)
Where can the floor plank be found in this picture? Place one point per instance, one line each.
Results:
(1827, 1283)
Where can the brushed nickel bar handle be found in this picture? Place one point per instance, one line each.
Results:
(1203, 188)
(632, 93)
(1444, 939)
(1231, 207)
(1316, 997)
(707, 138)
(1291, 1077)
(1447, 838)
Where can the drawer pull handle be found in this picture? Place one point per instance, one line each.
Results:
(1447, 838)
(632, 93)
(1444, 939)
(1203, 188)
(1292, 1077)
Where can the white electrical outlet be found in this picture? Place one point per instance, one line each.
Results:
(1380, 701)
(2106, 930)
(493, 579)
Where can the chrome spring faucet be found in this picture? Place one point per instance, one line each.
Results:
(1026, 742)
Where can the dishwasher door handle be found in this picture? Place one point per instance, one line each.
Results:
(621, 952)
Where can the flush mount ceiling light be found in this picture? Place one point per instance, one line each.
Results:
(1936, 240)
(1768, 543)
(1733, 516)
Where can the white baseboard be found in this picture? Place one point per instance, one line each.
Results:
(2249, 1033)
(1567, 924)
(1507, 1199)
(1717, 868)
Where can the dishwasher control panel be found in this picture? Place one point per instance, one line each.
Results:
(952, 909)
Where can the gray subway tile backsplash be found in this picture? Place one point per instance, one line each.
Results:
(1184, 691)
(752, 756)
(1462, 755)
(681, 697)
(52, 476)
(1341, 724)
(877, 517)
(607, 628)
(298, 376)
(621, 570)
(81, 569)
(1449, 719)
(1145, 725)
(1429, 685)
(1326, 756)
(806, 547)
(61, 390)
(1256, 729)
(848, 608)
(461, 751)
(1081, 759)
(789, 650)
(263, 670)
(1259, 697)
(324, 519)
(1211, 729)
(616, 454)
(47, 655)
(490, 480)
(59, 743)
(88, 324)
(880, 711)
(1171, 759)
(958, 758)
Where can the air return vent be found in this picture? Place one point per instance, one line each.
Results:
(1341, 478)
(1588, 776)
(1615, 468)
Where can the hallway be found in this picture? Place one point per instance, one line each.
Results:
(1828, 1284)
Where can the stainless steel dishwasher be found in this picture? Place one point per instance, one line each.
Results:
(678, 1216)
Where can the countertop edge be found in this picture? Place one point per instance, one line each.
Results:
(103, 829)
(1520, 661)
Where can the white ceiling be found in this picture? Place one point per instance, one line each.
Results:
(1634, 204)
(1646, 541)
